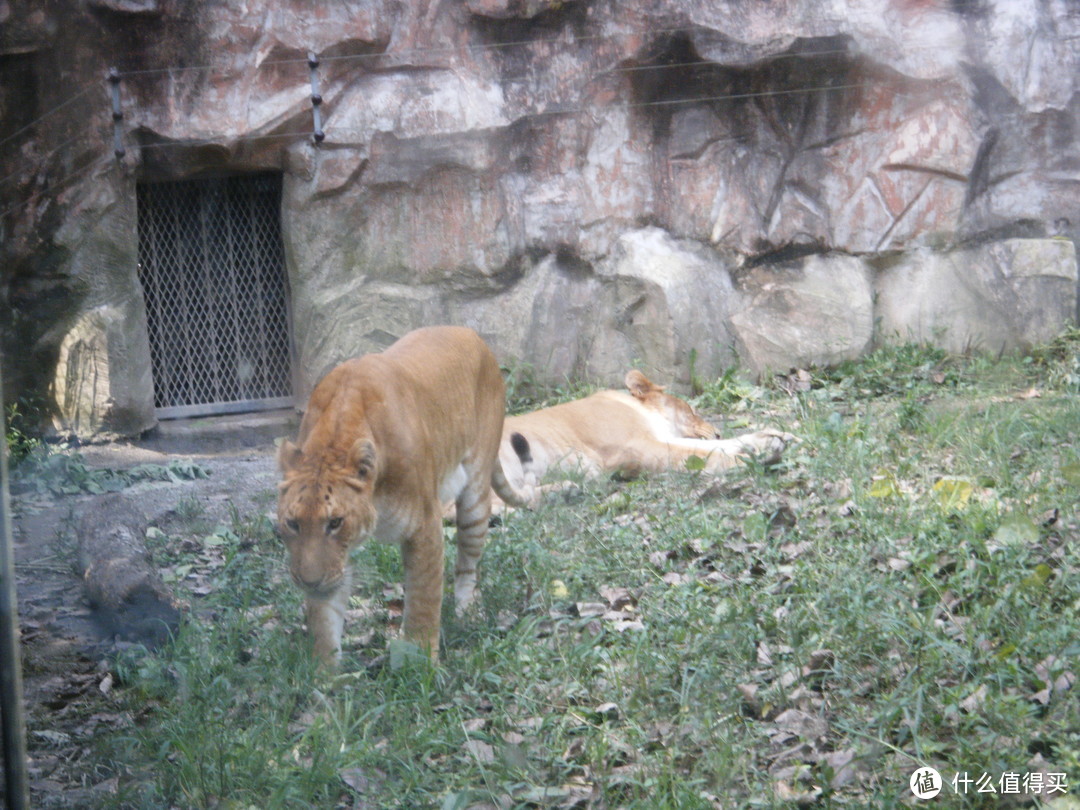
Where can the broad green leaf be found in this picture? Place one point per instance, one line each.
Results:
(884, 487)
(953, 493)
(1005, 652)
(695, 464)
(1016, 529)
(1038, 578)
(403, 653)
(754, 526)
(1071, 473)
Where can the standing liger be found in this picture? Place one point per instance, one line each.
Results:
(385, 440)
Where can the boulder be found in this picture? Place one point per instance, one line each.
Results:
(998, 297)
(102, 384)
(814, 311)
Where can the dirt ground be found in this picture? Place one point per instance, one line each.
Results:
(67, 658)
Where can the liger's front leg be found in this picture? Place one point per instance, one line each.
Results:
(422, 556)
(326, 622)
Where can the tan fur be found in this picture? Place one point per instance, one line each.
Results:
(385, 438)
(645, 430)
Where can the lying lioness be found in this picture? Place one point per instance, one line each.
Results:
(385, 440)
(645, 430)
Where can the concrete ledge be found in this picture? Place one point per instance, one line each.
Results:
(211, 434)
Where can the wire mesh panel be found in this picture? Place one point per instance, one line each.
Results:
(212, 268)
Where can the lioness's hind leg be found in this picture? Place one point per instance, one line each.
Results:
(473, 514)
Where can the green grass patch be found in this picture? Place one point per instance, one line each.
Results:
(900, 591)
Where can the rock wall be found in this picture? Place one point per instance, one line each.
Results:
(588, 183)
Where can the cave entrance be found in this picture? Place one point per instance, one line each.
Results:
(212, 267)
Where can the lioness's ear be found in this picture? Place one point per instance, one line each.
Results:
(288, 457)
(362, 458)
(639, 385)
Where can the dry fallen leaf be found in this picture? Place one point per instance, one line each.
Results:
(973, 702)
(588, 610)
(843, 767)
(792, 551)
(607, 711)
(358, 779)
(480, 751)
(800, 797)
(749, 695)
(658, 558)
(898, 564)
(806, 726)
(822, 659)
(617, 598)
(764, 656)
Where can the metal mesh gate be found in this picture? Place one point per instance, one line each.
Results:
(212, 268)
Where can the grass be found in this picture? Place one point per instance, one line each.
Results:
(901, 591)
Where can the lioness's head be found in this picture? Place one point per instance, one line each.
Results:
(679, 414)
(325, 506)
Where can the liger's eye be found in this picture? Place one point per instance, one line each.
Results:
(334, 524)
(292, 525)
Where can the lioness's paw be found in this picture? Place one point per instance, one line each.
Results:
(769, 445)
(785, 438)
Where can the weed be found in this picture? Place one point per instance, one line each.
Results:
(1058, 362)
(911, 414)
(525, 391)
(190, 509)
(729, 391)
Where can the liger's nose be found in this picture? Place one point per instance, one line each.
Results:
(309, 582)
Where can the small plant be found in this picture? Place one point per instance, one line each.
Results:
(697, 386)
(62, 471)
(18, 435)
(190, 509)
(894, 370)
(524, 391)
(911, 415)
(1059, 361)
(729, 391)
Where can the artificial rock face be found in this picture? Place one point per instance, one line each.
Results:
(586, 183)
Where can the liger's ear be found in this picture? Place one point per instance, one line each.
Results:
(362, 458)
(289, 456)
(639, 385)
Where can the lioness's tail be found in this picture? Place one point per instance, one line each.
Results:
(506, 490)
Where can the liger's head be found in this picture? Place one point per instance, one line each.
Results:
(325, 506)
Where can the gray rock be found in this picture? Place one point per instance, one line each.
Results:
(817, 311)
(999, 297)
